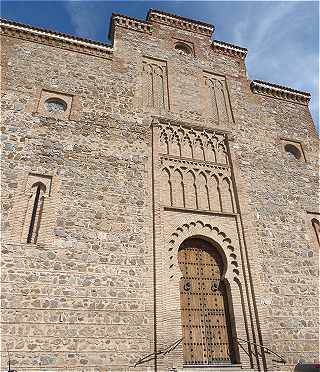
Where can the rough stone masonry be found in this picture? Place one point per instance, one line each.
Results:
(159, 209)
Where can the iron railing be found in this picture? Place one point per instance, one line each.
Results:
(265, 349)
(239, 341)
(161, 353)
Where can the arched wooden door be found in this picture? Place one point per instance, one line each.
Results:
(204, 309)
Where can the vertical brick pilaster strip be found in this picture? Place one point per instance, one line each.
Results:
(155, 154)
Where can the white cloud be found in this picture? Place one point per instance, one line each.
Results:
(83, 17)
(278, 34)
(278, 51)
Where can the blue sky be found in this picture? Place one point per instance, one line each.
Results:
(282, 36)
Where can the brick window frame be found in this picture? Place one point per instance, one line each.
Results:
(41, 209)
(294, 144)
(49, 94)
(20, 215)
(313, 227)
(189, 44)
(150, 89)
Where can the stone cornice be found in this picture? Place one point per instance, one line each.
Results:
(180, 22)
(55, 39)
(128, 22)
(229, 49)
(278, 91)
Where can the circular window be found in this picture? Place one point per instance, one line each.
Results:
(292, 151)
(55, 105)
(183, 48)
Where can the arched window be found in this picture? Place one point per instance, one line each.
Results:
(226, 196)
(37, 199)
(190, 190)
(214, 194)
(155, 85)
(178, 199)
(166, 188)
(218, 99)
(186, 148)
(55, 105)
(221, 101)
(292, 151)
(316, 229)
(203, 191)
(183, 48)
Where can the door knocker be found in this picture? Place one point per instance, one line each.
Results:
(215, 285)
(187, 286)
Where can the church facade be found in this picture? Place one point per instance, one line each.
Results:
(159, 209)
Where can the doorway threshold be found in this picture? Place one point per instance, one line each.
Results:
(216, 365)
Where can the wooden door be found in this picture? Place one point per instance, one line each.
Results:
(204, 309)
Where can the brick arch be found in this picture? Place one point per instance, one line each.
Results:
(214, 236)
(206, 312)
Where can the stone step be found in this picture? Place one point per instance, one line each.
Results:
(219, 368)
(214, 369)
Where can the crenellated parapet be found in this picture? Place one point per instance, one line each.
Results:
(278, 91)
(55, 39)
(102, 50)
(129, 23)
(230, 49)
(70, 42)
(180, 22)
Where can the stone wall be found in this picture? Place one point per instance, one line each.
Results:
(85, 299)
(281, 192)
(82, 298)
